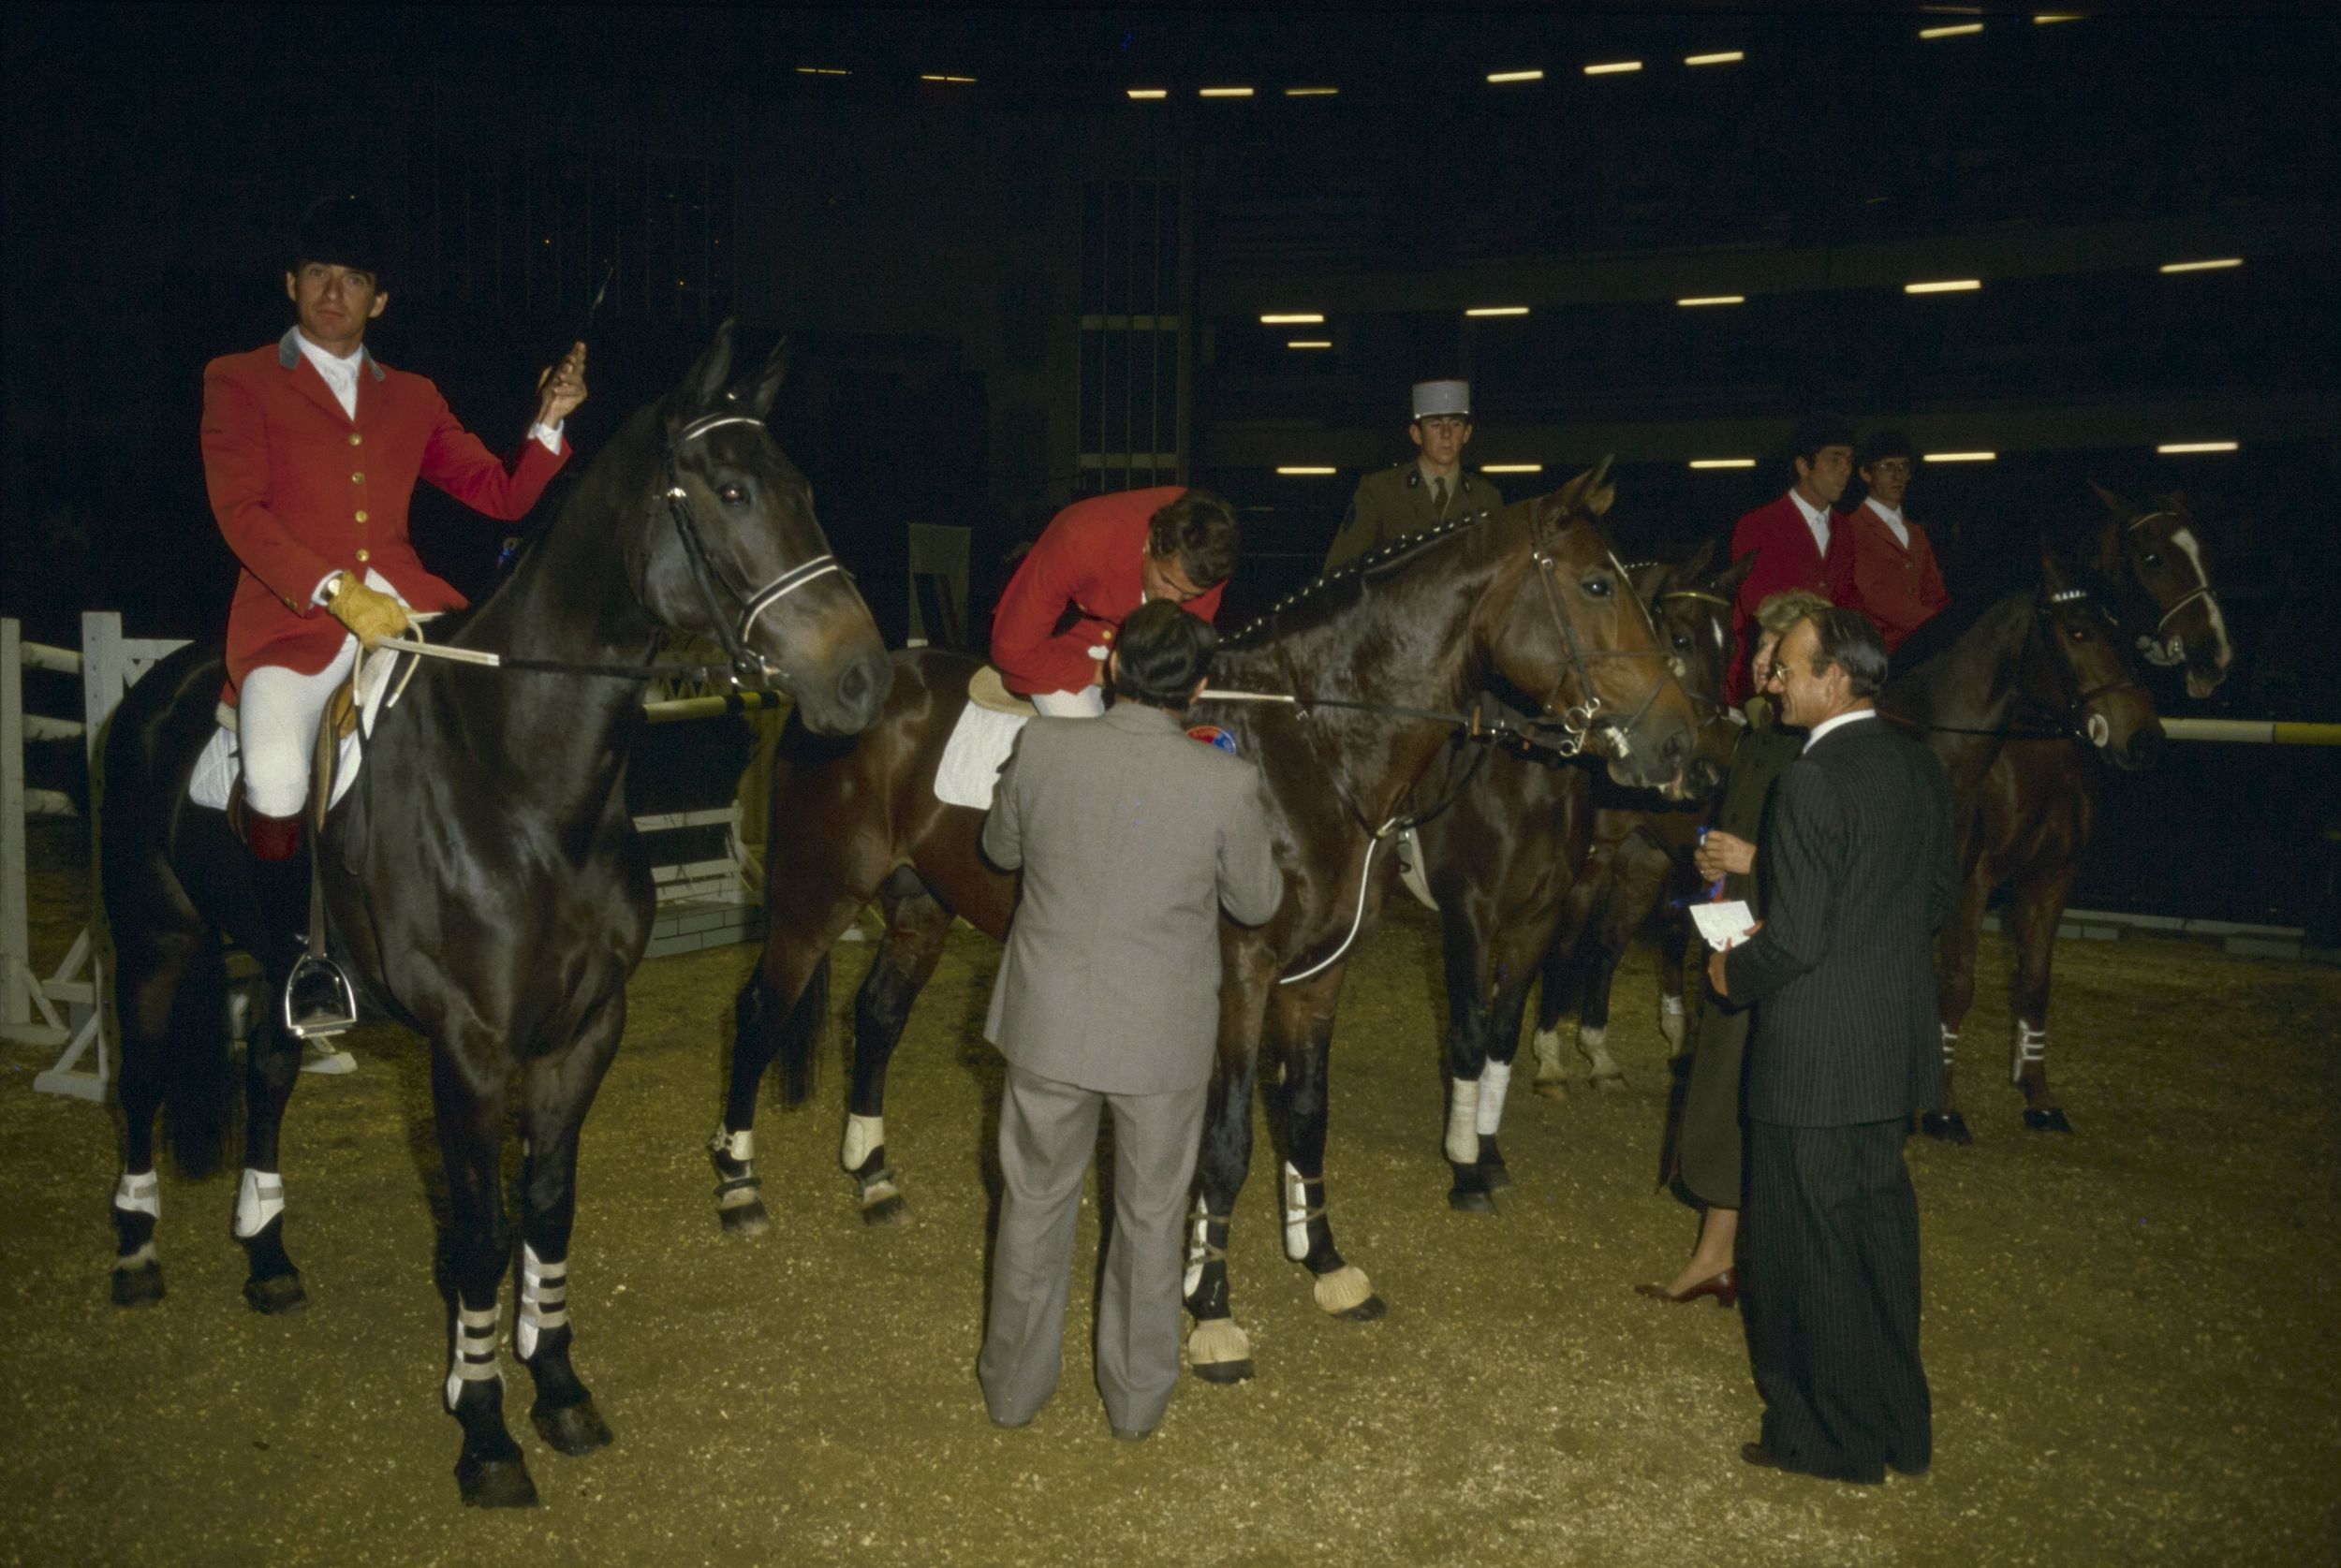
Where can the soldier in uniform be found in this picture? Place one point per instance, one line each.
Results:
(1430, 490)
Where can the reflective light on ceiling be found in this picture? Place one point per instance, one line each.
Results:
(1512, 468)
(1293, 318)
(2041, 19)
(1497, 310)
(1309, 342)
(1714, 300)
(1944, 286)
(2212, 265)
(967, 80)
(1149, 92)
(1613, 68)
(1304, 469)
(822, 71)
(1311, 92)
(1961, 457)
(1725, 57)
(2175, 447)
(1500, 77)
(1960, 30)
(1723, 462)
(1224, 92)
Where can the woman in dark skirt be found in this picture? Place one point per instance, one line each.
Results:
(1708, 1143)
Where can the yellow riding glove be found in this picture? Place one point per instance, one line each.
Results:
(371, 616)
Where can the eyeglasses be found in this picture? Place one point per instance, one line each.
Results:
(1896, 468)
(1777, 672)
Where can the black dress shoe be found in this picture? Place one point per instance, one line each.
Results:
(1757, 1454)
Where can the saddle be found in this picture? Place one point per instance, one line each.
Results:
(986, 690)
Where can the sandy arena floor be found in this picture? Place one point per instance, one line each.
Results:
(2131, 1331)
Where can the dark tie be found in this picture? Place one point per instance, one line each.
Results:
(1439, 496)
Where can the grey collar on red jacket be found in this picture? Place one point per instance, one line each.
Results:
(289, 353)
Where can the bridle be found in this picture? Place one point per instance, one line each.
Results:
(747, 667)
(2074, 718)
(2200, 590)
(1577, 721)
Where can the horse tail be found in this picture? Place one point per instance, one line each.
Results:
(797, 1033)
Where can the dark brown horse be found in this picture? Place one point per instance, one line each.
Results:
(483, 873)
(1530, 601)
(2038, 805)
(1505, 858)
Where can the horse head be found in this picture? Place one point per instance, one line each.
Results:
(1574, 633)
(734, 551)
(2162, 554)
(2076, 653)
(1691, 608)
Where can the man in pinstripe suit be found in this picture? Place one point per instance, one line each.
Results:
(1857, 857)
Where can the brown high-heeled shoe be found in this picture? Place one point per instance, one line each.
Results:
(1724, 1287)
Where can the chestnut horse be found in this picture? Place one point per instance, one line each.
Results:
(1359, 668)
(2038, 804)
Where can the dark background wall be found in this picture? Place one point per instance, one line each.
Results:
(1008, 290)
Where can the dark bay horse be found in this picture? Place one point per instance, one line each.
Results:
(1641, 850)
(1507, 856)
(1530, 600)
(483, 872)
(2038, 806)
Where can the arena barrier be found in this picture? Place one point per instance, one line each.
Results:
(702, 903)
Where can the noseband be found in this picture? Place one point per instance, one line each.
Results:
(747, 667)
(2075, 716)
(2202, 580)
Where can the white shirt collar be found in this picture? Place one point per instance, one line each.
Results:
(1838, 723)
(341, 376)
(1815, 519)
(1892, 514)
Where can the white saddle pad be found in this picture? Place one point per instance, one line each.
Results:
(1411, 872)
(974, 755)
(216, 770)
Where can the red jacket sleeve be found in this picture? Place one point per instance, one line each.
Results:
(1031, 654)
(1774, 570)
(1837, 567)
(236, 476)
(459, 463)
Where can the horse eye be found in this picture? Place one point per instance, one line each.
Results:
(2152, 558)
(1682, 643)
(2079, 634)
(732, 495)
(1596, 587)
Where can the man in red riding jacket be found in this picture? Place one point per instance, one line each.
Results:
(311, 451)
(1797, 540)
(1900, 586)
(1098, 561)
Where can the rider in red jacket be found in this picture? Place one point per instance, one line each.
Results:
(1098, 561)
(311, 451)
(1800, 543)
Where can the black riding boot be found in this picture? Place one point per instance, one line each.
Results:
(318, 998)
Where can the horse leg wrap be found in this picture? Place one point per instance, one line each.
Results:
(1217, 1341)
(474, 1358)
(139, 1195)
(1201, 1249)
(2029, 1050)
(1463, 1121)
(864, 1136)
(1298, 1211)
(1551, 1078)
(258, 1200)
(544, 1300)
(1595, 1046)
(1495, 1081)
(737, 1186)
(1671, 1020)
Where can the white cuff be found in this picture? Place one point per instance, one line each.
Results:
(316, 594)
(549, 433)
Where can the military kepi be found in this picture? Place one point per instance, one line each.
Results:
(1442, 397)
(344, 231)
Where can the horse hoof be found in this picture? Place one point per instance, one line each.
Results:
(1611, 1083)
(495, 1483)
(1946, 1126)
(1495, 1178)
(572, 1430)
(1224, 1373)
(2049, 1120)
(747, 1222)
(892, 1210)
(141, 1286)
(277, 1294)
(1464, 1202)
(1371, 1309)
(1551, 1088)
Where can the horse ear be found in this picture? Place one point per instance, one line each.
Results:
(712, 373)
(2114, 503)
(1727, 582)
(1696, 567)
(2053, 572)
(1652, 578)
(759, 397)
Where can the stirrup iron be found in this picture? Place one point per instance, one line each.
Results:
(338, 1016)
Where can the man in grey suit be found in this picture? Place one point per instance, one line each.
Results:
(1857, 860)
(1131, 838)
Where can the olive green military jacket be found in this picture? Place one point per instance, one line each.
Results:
(1396, 502)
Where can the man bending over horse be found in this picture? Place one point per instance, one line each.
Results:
(1131, 838)
(311, 451)
(1097, 562)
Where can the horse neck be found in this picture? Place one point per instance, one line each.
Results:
(570, 600)
(1971, 686)
(1406, 641)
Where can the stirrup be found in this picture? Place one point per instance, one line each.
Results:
(338, 1015)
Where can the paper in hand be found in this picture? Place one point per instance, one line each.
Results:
(1723, 926)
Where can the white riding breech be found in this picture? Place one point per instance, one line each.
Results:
(277, 714)
(1087, 703)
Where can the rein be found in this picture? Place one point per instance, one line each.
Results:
(746, 667)
(2072, 725)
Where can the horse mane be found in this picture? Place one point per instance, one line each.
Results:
(1324, 598)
